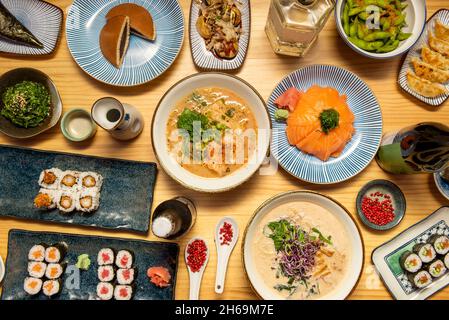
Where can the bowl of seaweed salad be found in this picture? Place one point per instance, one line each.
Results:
(29, 103)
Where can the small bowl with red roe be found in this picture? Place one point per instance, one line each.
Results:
(381, 205)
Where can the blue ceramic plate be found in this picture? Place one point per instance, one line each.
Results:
(359, 152)
(126, 195)
(144, 61)
(146, 254)
(43, 19)
(442, 185)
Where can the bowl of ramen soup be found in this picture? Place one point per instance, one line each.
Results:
(211, 132)
(302, 245)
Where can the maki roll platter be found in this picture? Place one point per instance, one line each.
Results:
(76, 189)
(415, 264)
(117, 270)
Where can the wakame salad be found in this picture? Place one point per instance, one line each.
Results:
(26, 104)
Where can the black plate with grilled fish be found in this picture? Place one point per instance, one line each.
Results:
(29, 27)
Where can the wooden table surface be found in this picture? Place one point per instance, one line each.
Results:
(263, 69)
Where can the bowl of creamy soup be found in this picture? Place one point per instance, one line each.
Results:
(302, 246)
(211, 132)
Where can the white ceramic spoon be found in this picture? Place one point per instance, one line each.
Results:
(2, 269)
(224, 252)
(196, 277)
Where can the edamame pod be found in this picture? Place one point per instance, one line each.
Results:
(368, 46)
(346, 19)
(378, 35)
(353, 29)
(403, 36)
(388, 47)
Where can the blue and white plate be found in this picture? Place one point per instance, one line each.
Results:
(43, 19)
(144, 60)
(359, 152)
(442, 184)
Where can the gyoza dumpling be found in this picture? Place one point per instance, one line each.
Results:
(434, 58)
(439, 45)
(441, 31)
(429, 72)
(424, 87)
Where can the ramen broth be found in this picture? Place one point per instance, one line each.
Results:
(226, 113)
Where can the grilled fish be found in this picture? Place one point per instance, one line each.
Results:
(12, 29)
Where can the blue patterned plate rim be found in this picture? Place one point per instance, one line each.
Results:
(378, 131)
(118, 83)
(438, 182)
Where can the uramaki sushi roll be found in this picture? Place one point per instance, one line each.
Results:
(46, 199)
(420, 279)
(105, 291)
(50, 178)
(32, 286)
(69, 180)
(105, 256)
(90, 180)
(67, 201)
(52, 287)
(425, 251)
(36, 269)
(37, 253)
(410, 262)
(88, 200)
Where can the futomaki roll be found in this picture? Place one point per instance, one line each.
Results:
(440, 243)
(125, 276)
(105, 257)
(106, 273)
(437, 268)
(36, 269)
(50, 178)
(410, 262)
(420, 279)
(105, 291)
(37, 253)
(51, 288)
(55, 253)
(32, 286)
(54, 271)
(123, 292)
(124, 259)
(425, 251)
(446, 260)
